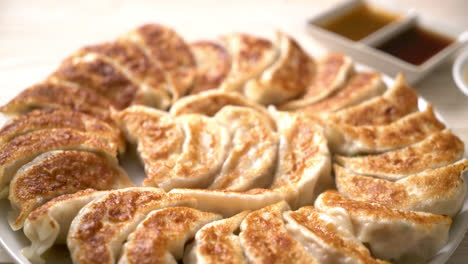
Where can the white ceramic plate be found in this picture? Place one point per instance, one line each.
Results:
(13, 241)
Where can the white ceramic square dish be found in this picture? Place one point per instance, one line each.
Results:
(365, 49)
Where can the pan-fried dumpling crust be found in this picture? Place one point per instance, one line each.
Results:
(265, 239)
(161, 236)
(96, 73)
(351, 140)
(216, 200)
(286, 78)
(395, 103)
(168, 50)
(61, 118)
(203, 152)
(210, 102)
(98, 232)
(24, 148)
(327, 238)
(158, 137)
(134, 63)
(49, 224)
(213, 64)
(250, 56)
(360, 87)
(333, 72)
(186, 151)
(304, 163)
(142, 122)
(217, 243)
(251, 157)
(438, 191)
(437, 150)
(394, 235)
(60, 172)
(53, 95)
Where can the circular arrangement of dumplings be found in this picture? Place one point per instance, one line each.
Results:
(254, 152)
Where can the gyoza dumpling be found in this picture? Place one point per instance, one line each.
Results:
(159, 138)
(304, 168)
(51, 95)
(351, 140)
(96, 73)
(251, 157)
(217, 200)
(61, 118)
(99, 230)
(60, 172)
(265, 239)
(126, 56)
(438, 191)
(398, 101)
(327, 238)
(333, 72)
(250, 56)
(49, 224)
(24, 148)
(361, 87)
(213, 64)
(161, 236)
(286, 78)
(393, 235)
(168, 50)
(437, 150)
(203, 152)
(210, 102)
(186, 151)
(217, 243)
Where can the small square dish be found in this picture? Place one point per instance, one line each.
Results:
(387, 37)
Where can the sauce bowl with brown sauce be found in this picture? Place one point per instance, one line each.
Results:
(388, 38)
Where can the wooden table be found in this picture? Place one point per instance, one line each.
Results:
(36, 35)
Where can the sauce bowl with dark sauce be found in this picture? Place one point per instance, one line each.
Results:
(387, 37)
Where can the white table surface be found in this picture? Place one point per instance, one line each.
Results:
(36, 35)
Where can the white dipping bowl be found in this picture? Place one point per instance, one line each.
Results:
(460, 72)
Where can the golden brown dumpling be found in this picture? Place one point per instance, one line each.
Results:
(60, 172)
(61, 118)
(94, 72)
(327, 238)
(167, 49)
(351, 140)
(53, 95)
(398, 101)
(437, 150)
(251, 157)
(98, 232)
(333, 72)
(152, 86)
(49, 224)
(438, 191)
(361, 87)
(24, 148)
(265, 239)
(213, 64)
(286, 78)
(217, 243)
(393, 235)
(161, 236)
(250, 56)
